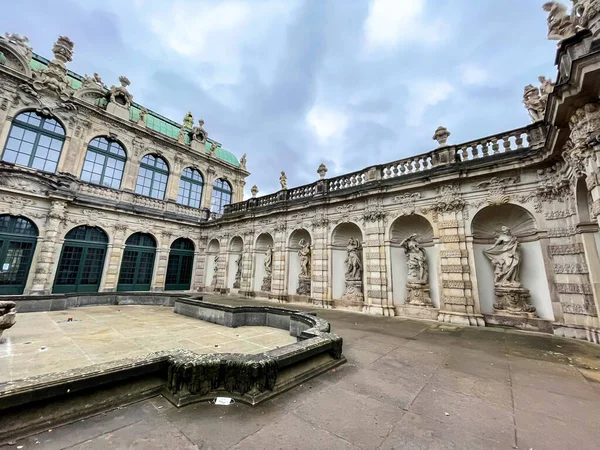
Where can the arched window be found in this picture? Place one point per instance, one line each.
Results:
(138, 263)
(221, 196)
(179, 267)
(153, 176)
(18, 237)
(190, 188)
(104, 163)
(34, 141)
(81, 260)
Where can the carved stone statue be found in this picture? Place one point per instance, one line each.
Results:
(546, 87)
(243, 161)
(8, 315)
(304, 254)
(215, 271)
(268, 263)
(198, 132)
(238, 272)
(322, 171)
(213, 148)
(506, 260)
(142, 117)
(94, 81)
(120, 95)
(417, 282)
(188, 121)
(560, 24)
(21, 44)
(533, 103)
(353, 260)
(283, 180)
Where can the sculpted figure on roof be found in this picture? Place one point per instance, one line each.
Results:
(533, 102)
(584, 11)
(283, 180)
(20, 44)
(120, 94)
(198, 132)
(243, 161)
(93, 81)
(560, 24)
(188, 121)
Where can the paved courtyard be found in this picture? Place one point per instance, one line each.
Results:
(407, 385)
(47, 342)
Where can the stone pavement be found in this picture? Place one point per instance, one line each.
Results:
(407, 385)
(46, 342)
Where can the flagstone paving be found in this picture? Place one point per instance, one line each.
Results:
(407, 385)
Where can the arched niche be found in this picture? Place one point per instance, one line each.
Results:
(212, 251)
(583, 204)
(293, 258)
(402, 228)
(236, 247)
(263, 242)
(485, 228)
(339, 242)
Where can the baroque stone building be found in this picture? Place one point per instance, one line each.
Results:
(501, 230)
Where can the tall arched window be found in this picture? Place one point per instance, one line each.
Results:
(81, 260)
(153, 176)
(138, 263)
(18, 236)
(104, 163)
(34, 141)
(179, 267)
(190, 188)
(221, 196)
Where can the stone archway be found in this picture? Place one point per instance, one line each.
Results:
(487, 228)
(263, 263)
(402, 229)
(299, 240)
(347, 238)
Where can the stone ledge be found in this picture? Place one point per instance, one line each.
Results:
(417, 312)
(522, 323)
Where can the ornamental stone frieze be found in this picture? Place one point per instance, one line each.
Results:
(496, 190)
(406, 204)
(374, 211)
(449, 200)
(566, 249)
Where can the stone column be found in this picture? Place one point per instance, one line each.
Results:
(114, 257)
(247, 281)
(199, 277)
(160, 265)
(375, 288)
(50, 250)
(321, 292)
(278, 282)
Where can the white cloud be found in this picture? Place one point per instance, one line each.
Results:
(424, 95)
(392, 22)
(472, 74)
(326, 123)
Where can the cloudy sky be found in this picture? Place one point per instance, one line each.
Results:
(294, 83)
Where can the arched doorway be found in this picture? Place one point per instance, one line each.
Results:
(180, 265)
(486, 227)
(234, 269)
(211, 272)
(341, 236)
(264, 245)
(18, 236)
(294, 265)
(81, 260)
(138, 263)
(402, 228)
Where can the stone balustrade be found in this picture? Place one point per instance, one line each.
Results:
(530, 137)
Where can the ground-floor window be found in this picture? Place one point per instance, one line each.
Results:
(18, 236)
(181, 263)
(137, 265)
(81, 260)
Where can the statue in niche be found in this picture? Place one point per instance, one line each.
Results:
(504, 256)
(215, 270)
(238, 272)
(268, 260)
(416, 260)
(533, 102)
(283, 180)
(304, 254)
(199, 133)
(560, 24)
(353, 263)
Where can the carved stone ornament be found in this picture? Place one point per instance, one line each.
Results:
(441, 135)
(496, 188)
(584, 125)
(322, 171)
(20, 44)
(406, 202)
(22, 184)
(283, 181)
(374, 210)
(560, 24)
(417, 282)
(254, 191)
(243, 161)
(533, 103)
(198, 133)
(8, 315)
(120, 95)
(54, 78)
(448, 199)
(584, 11)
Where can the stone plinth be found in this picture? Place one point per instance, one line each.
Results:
(418, 312)
(118, 110)
(236, 283)
(458, 318)
(8, 315)
(266, 284)
(522, 323)
(418, 295)
(353, 292)
(303, 286)
(514, 301)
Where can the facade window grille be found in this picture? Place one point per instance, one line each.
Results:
(221, 196)
(153, 177)
(190, 188)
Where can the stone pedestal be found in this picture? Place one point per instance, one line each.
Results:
(353, 297)
(8, 315)
(418, 295)
(520, 322)
(303, 286)
(236, 283)
(514, 301)
(417, 312)
(266, 284)
(118, 110)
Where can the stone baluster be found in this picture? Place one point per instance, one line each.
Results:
(506, 144)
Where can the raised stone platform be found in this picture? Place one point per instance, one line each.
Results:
(417, 312)
(522, 323)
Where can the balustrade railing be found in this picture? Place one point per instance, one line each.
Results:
(532, 136)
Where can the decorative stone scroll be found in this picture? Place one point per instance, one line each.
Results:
(266, 283)
(417, 283)
(305, 269)
(354, 286)
(505, 256)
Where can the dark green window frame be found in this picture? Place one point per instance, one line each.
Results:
(81, 260)
(137, 265)
(104, 162)
(180, 266)
(221, 196)
(153, 177)
(190, 188)
(18, 238)
(35, 141)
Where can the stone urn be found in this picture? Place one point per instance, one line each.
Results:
(8, 315)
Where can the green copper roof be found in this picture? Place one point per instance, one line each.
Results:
(153, 120)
